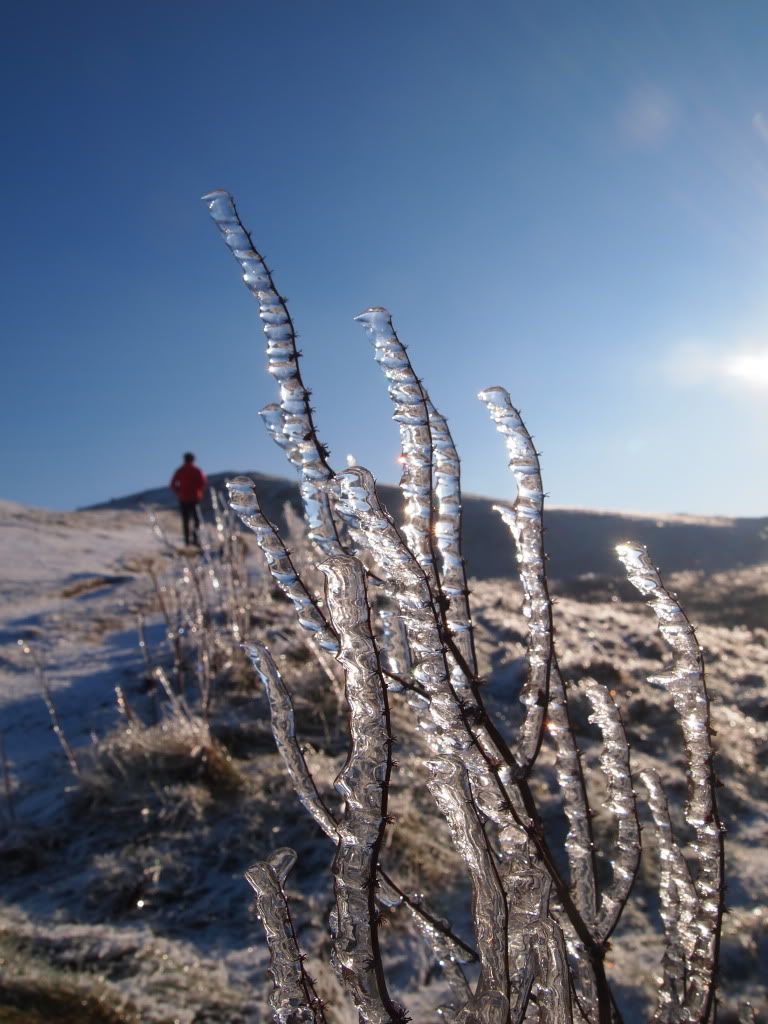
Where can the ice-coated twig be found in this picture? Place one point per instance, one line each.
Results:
(410, 404)
(685, 683)
(525, 521)
(449, 785)
(244, 502)
(169, 609)
(448, 536)
(439, 711)
(448, 948)
(678, 906)
(452, 724)
(124, 707)
(615, 766)
(179, 706)
(449, 952)
(284, 731)
(579, 843)
(296, 427)
(543, 690)
(364, 784)
(294, 999)
(158, 531)
(45, 693)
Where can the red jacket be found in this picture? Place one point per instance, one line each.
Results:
(188, 483)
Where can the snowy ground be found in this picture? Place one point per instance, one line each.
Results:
(134, 893)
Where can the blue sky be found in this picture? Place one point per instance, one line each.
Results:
(569, 199)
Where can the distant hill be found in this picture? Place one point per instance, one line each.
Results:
(578, 541)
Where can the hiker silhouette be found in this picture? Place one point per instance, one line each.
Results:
(188, 484)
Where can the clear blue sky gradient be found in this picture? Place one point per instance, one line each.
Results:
(567, 199)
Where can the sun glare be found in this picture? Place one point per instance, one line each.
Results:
(751, 368)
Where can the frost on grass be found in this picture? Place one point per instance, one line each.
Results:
(396, 616)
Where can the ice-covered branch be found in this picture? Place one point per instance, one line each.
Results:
(447, 947)
(685, 683)
(364, 784)
(678, 906)
(243, 500)
(526, 911)
(293, 999)
(450, 787)
(295, 430)
(410, 405)
(615, 766)
(543, 691)
(284, 731)
(525, 521)
(45, 693)
(448, 536)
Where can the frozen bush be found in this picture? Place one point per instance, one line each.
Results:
(396, 618)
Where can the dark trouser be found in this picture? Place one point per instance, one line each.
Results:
(189, 515)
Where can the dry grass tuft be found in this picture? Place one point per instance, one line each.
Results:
(180, 749)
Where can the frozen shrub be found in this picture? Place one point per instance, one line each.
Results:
(396, 618)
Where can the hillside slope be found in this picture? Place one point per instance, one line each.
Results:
(578, 541)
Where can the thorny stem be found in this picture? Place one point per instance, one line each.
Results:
(294, 998)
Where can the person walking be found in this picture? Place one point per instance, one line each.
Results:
(188, 484)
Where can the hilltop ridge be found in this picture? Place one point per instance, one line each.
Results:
(578, 541)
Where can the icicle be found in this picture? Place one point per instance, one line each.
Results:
(615, 766)
(275, 420)
(293, 999)
(243, 500)
(297, 428)
(410, 405)
(449, 785)
(525, 521)
(685, 683)
(364, 784)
